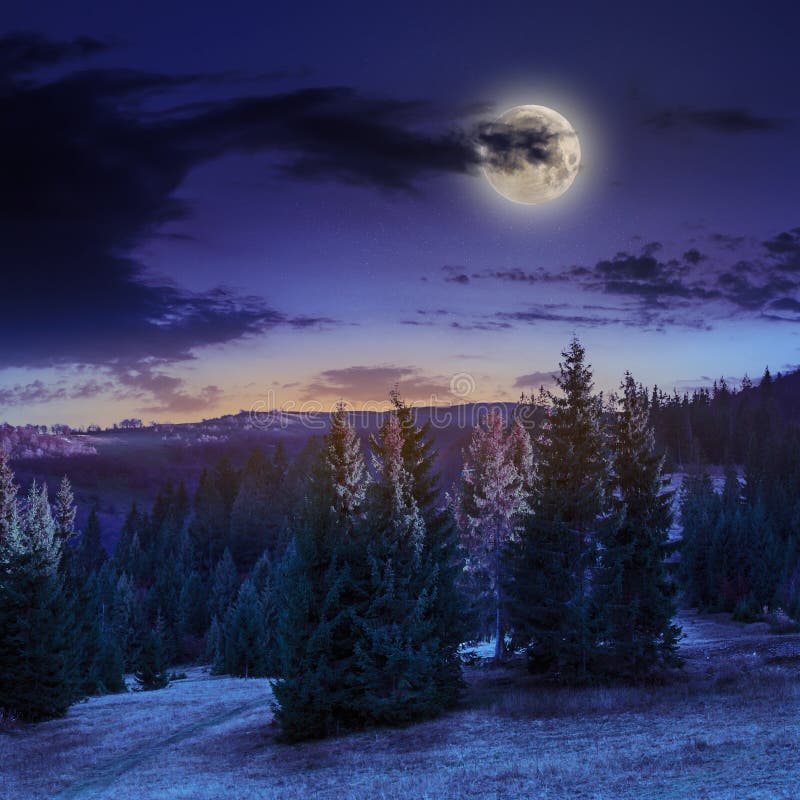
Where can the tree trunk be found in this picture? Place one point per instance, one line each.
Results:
(499, 645)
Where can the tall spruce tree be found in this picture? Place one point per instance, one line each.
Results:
(100, 658)
(700, 510)
(91, 554)
(64, 511)
(37, 678)
(550, 589)
(316, 693)
(634, 596)
(345, 464)
(245, 641)
(224, 586)
(194, 605)
(126, 620)
(495, 495)
(9, 511)
(257, 512)
(442, 549)
(152, 668)
(209, 525)
(397, 651)
(128, 553)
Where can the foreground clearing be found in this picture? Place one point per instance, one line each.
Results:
(727, 728)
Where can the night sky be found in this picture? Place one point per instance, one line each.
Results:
(284, 203)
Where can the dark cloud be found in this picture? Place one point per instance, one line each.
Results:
(517, 275)
(512, 275)
(428, 317)
(727, 241)
(533, 316)
(535, 379)
(85, 180)
(746, 285)
(455, 275)
(625, 266)
(652, 282)
(693, 256)
(508, 148)
(656, 292)
(23, 51)
(29, 393)
(786, 304)
(481, 325)
(718, 120)
(24, 394)
(784, 250)
(91, 166)
(741, 291)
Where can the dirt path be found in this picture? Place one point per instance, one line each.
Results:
(100, 778)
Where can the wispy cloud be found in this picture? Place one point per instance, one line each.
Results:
(732, 121)
(696, 289)
(373, 383)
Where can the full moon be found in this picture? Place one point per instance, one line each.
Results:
(542, 158)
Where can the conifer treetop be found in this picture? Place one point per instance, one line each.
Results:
(345, 463)
(9, 510)
(64, 511)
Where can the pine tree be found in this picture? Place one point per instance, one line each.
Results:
(345, 463)
(152, 671)
(209, 525)
(8, 497)
(255, 517)
(634, 597)
(91, 554)
(700, 509)
(64, 511)
(497, 476)
(316, 692)
(266, 577)
(107, 666)
(194, 605)
(226, 479)
(245, 636)
(396, 653)
(36, 657)
(181, 504)
(100, 659)
(224, 587)
(442, 550)
(128, 553)
(369, 622)
(126, 620)
(549, 592)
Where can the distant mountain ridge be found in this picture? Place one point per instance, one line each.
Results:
(114, 467)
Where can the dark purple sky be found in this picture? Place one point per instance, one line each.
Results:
(203, 209)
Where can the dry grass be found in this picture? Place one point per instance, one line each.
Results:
(727, 729)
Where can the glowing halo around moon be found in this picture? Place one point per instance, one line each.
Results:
(543, 175)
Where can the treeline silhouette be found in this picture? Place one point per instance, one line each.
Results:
(720, 424)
